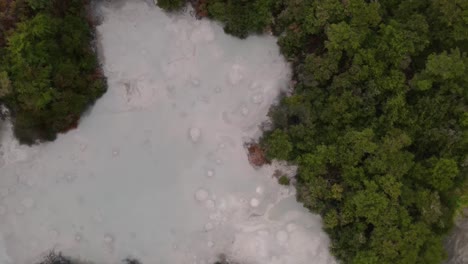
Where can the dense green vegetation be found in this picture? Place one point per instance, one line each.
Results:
(378, 119)
(284, 180)
(240, 17)
(49, 73)
(171, 5)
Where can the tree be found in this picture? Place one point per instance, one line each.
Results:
(279, 146)
(49, 73)
(443, 173)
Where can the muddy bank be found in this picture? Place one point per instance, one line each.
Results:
(457, 243)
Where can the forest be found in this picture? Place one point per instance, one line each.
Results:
(49, 73)
(377, 121)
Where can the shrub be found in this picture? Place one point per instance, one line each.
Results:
(278, 145)
(171, 5)
(283, 180)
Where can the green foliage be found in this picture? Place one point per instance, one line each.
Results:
(450, 20)
(39, 4)
(171, 5)
(11, 12)
(50, 71)
(283, 180)
(278, 146)
(377, 122)
(462, 199)
(5, 84)
(241, 17)
(443, 173)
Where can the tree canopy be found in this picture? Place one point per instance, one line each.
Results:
(49, 73)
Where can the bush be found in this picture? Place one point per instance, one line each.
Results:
(241, 17)
(278, 145)
(283, 180)
(171, 5)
